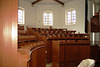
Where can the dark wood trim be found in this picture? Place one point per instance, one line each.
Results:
(36, 2)
(59, 2)
(99, 19)
(86, 15)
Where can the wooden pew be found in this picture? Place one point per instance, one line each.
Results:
(38, 57)
(24, 39)
(70, 38)
(69, 54)
(32, 55)
(20, 27)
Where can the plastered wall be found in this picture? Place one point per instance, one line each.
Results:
(34, 15)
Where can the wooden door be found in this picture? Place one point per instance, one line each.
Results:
(8, 33)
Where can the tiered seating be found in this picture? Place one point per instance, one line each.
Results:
(49, 35)
(49, 32)
(24, 37)
(75, 39)
(35, 52)
(31, 50)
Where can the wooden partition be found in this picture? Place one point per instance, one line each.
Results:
(32, 55)
(48, 35)
(70, 38)
(69, 55)
(38, 57)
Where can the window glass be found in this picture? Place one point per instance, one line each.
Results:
(20, 16)
(48, 18)
(70, 16)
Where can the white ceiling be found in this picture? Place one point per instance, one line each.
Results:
(48, 1)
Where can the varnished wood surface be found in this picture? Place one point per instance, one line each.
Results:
(69, 55)
(76, 43)
(38, 57)
(70, 52)
(95, 24)
(68, 38)
(20, 27)
(8, 33)
(29, 39)
(49, 51)
(33, 61)
(95, 52)
(67, 41)
(83, 52)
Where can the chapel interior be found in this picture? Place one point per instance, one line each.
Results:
(49, 33)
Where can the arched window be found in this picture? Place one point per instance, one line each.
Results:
(20, 16)
(48, 18)
(70, 16)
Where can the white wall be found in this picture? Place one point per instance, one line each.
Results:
(30, 13)
(79, 5)
(90, 10)
(34, 15)
(57, 10)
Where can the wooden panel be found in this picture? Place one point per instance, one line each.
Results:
(7, 34)
(38, 57)
(71, 64)
(83, 52)
(55, 53)
(33, 62)
(49, 51)
(61, 51)
(1, 32)
(22, 59)
(95, 52)
(8, 40)
(62, 64)
(71, 52)
(41, 57)
(14, 32)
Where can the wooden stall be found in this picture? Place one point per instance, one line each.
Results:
(69, 54)
(32, 55)
(69, 38)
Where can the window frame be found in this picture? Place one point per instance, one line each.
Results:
(48, 17)
(23, 15)
(66, 17)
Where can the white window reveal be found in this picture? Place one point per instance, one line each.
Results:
(20, 16)
(48, 18)
(70, 17)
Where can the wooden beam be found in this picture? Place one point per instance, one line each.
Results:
(36, 2)
(59, 2)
